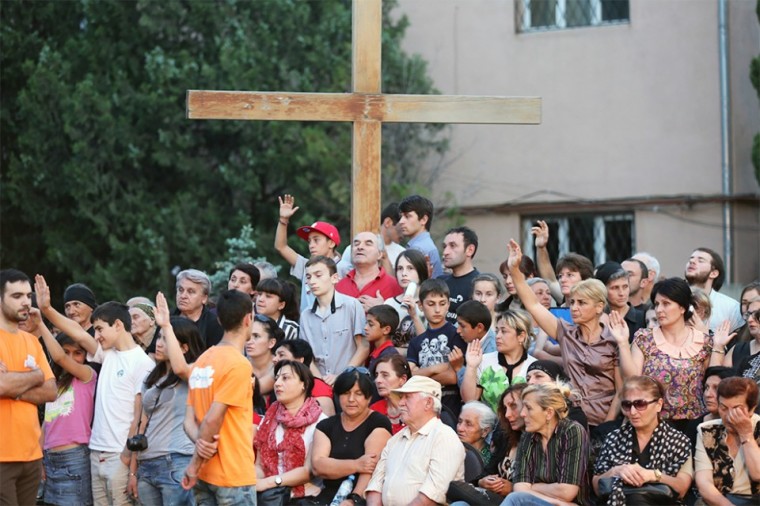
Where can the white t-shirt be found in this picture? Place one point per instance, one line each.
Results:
(119, 381)
(724, 308)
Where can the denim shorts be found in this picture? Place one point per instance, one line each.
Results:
(68, 479)
(159, 481)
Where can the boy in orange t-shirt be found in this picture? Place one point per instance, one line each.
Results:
(220, 410)
(25, 381)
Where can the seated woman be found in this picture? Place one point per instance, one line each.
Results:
(300, 351)
(713, 377)
(391, 372)
(744, 357)
(476, 421)
(349, 443)
(644, 450)
(550, 465)
(547, 371)
(727, 459)
(495, 481)
(284, 438)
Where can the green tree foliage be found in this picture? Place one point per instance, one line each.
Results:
(241, 249)
(105, 181)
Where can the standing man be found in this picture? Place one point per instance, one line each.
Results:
(653, 273)
(219, 407)
(416, 218)
(389, 230)
(25, 381)
(615, 279)
(417, 464)
(705, 270)
(368, 281)
(459, 248)
(639, 282)
(193, 288)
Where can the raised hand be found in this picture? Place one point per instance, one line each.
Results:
(287, 209)
(619, 328)
(474, 355)
(42, 292)
(515, 255)
(541, 233)
(722, 337)
(161, 313)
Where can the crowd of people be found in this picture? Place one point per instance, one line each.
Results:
(395, 375)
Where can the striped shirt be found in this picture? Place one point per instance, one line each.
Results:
(564, 460)
(290, 327)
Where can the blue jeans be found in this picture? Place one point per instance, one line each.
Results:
(524, 499)
(68, 476)
(159, 481)
(207, 494)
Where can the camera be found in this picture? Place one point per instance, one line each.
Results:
(137, 443)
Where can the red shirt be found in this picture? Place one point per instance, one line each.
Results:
(387, 285)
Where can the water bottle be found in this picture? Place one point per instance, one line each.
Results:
(411, 289)
(345, 488)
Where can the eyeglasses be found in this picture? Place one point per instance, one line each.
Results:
(752, 314)
(360, 370)
(639, 404)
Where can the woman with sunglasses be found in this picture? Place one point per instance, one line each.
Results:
(265, 335)
(284, 438)
(349, 444)
(644, 450)
(391, 372)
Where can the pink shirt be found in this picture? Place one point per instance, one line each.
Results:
(68, 419)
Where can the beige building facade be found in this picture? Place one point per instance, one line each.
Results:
(628, 156)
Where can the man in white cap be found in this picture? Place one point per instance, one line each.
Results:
(418, 463)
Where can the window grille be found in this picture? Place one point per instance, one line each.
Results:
(597, 237)
(541, 15)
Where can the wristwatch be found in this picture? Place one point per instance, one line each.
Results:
(658, 475)
(278, 480)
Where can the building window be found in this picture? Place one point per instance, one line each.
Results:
(540, 15)
(597, 237)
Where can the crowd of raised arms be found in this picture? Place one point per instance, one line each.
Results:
(395, 375)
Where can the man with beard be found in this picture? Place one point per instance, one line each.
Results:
(705, 270)
(459, 248)
(639, 283)
(25, 381)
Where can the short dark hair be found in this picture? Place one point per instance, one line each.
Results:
(527, 267)
(576, 263)
(468, 236)
(300, 370)
(390, 211)
(398, 363)
(11, 276)
(731, 387)
(677, 290)
(346, 381)
(642, 265)
(717, 263)
(717, 370)
(418, 261)
(420, 205)
(385, 315)
(111, 311)
(300, 348)
(273, 330)
(326, 261)
(474, 312)
(232, 307)
(285, 291)
(250, 269)
(434, 286)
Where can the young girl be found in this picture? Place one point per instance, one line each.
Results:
(276, 299)
(411, 266)
(155, 473)
(487, 289)
(67, 420)
(265, 334)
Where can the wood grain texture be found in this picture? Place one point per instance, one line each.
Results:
(365, 177)
(366, 44)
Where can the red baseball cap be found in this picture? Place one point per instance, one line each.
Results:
(323, 228)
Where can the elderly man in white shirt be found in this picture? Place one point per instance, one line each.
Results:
(419, 462)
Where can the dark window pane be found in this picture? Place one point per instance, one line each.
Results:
(618, 239)
(578, 13)
(582, 235)
(542, 13)
(615, 10)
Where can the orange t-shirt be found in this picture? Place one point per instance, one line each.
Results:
(222, 374)
(19, 424)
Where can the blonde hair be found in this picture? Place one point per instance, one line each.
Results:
(591, 289)
(701, 302)
(520, 321)
(555, 395)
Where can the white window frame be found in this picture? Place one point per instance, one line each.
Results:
(560, 20)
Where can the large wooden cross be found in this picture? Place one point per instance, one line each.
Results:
(366, 107)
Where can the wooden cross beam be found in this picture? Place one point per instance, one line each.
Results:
(366, 107)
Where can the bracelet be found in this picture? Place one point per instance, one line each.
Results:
(746, 441)
(133, 474)
(284, 222)
(715, 350)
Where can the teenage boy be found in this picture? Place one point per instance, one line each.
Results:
(334, 324)
(616, 280)
(219, 406)
(428, 353)
(25, 381)
(415, 219)
(323, 239)
(382, 322)
(473, 323)
(118, 402)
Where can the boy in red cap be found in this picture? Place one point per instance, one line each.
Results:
(323, 239)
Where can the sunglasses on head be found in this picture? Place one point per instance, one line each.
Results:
(639, 404)
(263, 319)
(360, 370)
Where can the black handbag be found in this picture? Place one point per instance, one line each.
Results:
(650, 493)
